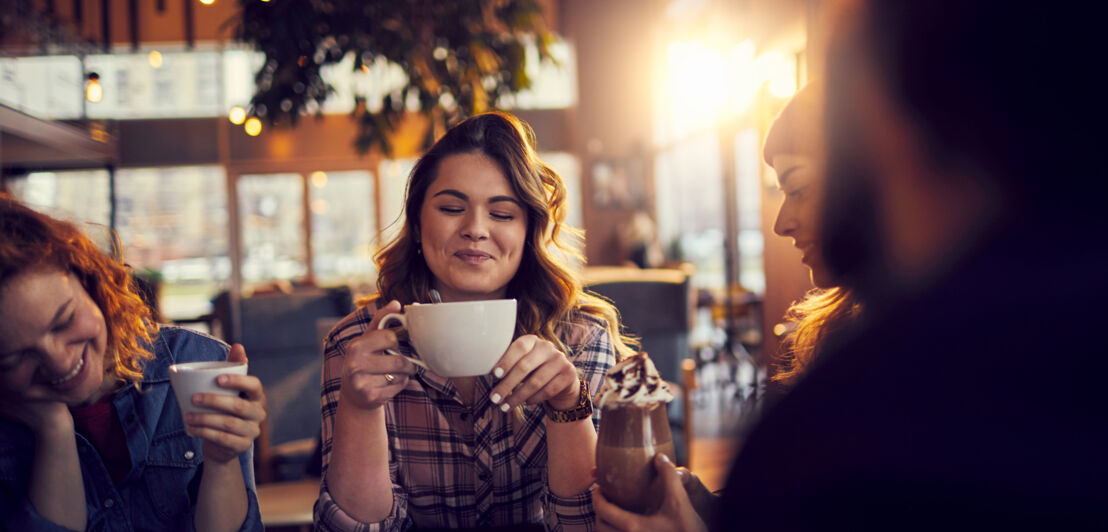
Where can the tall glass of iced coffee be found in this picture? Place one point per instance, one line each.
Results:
(633, 428)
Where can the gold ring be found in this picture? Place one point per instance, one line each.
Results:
(389, 378)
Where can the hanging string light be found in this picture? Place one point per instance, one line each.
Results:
(94, 92)
(237, 115)
(253, 126)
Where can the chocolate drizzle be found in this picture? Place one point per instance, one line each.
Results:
(634, 380)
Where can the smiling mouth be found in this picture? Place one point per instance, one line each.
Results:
(473, 256)
(72, 373)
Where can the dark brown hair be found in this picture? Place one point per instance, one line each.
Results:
(547, 292)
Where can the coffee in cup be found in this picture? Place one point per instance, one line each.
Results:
(457, 339)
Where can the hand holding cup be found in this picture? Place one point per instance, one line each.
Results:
(370, 376)
(221, 404)
(676, 512)
(456, 339)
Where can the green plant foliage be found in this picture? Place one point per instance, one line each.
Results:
(460, 56)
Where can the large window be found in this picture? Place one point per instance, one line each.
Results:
(343, 226)
(178, 84)
(691, 219)
(48, 86)
(78, 196)
(168, 82)
(271, 208)
(394, 179)
(172, 223)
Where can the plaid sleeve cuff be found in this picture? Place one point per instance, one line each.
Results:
(329, 517)
(570, 513)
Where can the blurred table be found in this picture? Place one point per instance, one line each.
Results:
(288, 504)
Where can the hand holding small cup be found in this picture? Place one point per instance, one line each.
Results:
(532, 371)
(227, 417)
(370, 376)
(675, 514)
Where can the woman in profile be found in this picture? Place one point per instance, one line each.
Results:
(91, 435)
(405, 447)
(792, 148)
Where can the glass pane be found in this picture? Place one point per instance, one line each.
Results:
(46, 87)
(394, 179)
(239, 67)
(689, 192)
(343, 227)
(173, 225)
(78, 196)
(182, 84)
(272, 212)
(567, 166)
(748, 169)
(553, 83)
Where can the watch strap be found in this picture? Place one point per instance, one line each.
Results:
(582, 410)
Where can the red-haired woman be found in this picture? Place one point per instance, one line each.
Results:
(91, 437)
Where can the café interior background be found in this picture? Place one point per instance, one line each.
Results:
(135, 116)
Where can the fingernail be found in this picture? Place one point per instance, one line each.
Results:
(196, 400)
(496, 398)
(665, 458)
(505, 407)
(222, 379)
(498, 372)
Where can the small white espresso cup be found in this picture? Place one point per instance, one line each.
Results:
(458, 339)
(199, 377)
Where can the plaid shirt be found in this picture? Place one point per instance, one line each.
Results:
(463, 466)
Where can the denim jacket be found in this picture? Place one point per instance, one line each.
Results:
(160, 491)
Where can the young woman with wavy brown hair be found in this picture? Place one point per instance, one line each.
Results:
(90, 436)
(403, 446)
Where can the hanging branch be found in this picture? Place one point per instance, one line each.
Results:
(460, 57)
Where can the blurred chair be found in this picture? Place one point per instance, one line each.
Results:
(280, 334)
(656, 305)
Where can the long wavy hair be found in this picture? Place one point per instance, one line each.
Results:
(30, 240)
(548, 294)
(820, 314)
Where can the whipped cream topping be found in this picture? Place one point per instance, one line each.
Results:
(633, 381)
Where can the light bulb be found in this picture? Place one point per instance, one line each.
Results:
(94, 92)
(237, 115)
(253, 126)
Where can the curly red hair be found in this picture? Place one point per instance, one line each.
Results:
(31, 240)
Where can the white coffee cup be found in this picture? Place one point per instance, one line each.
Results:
(192, 378)
(458, 339)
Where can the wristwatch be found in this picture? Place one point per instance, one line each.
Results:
(582, 410)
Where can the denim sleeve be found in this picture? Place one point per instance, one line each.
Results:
(24, 517)
(253, 521)
(189, 346)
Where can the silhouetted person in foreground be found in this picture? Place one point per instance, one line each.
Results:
(964, 209)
